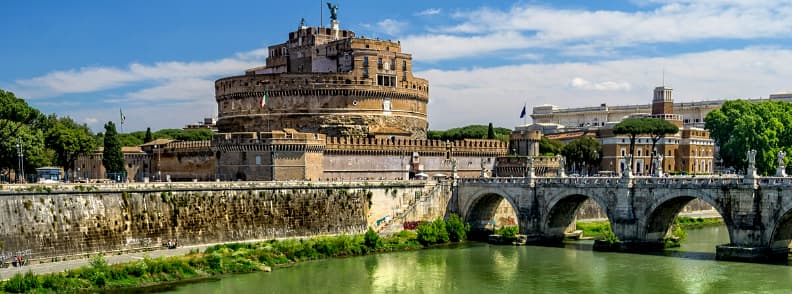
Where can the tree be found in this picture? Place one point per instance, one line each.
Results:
(68, 140)
(15, 113)
(20, 121)
(490, 132)
(633, 127)
(148, 137)
(739, 126)
(659, 129)
(584, 152)
(112, 156)
(457, 229)
(549, 146)
(469, 132)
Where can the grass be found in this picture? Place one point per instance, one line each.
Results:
(601, 229)
(697, 222)
(594, 230)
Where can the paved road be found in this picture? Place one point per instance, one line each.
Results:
(42, 268)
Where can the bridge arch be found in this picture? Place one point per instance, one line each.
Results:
(781, 235)
(561, 212)
(661, 214)
(482, 208)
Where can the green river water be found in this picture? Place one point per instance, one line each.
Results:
(483, 268)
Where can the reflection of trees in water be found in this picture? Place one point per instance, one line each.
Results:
(407, 272)
(505, 263)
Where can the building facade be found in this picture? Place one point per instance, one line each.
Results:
(552, 119)
(689, 151)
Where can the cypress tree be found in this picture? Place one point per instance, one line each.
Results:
(112, 157)
(490, 132)
(147, 138)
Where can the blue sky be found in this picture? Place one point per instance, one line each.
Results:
(157, 60)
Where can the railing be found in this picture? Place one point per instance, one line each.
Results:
(672, 181)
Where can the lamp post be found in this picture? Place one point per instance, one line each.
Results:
(20, 155)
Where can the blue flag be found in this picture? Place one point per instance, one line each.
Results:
(522, 114)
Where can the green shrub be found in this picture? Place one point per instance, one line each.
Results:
(440, 231)
(508, 232)
(610, 237)
(98, 262)
(372, 240)
(22, 283)
(457, 230)
(98, 279)
(426, 234)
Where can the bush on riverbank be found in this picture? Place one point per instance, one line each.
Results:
(215, 260)
(508, 232)
(440, 231)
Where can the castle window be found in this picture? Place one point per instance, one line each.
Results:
(386, 80)
(379, 63)
(365, 60)
(365, 72)
(404, 65)
(258, 159)
(386, 105)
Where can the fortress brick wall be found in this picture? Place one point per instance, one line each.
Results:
(185, 161)
(71, 220)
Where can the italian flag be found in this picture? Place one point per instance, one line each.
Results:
(264, 99)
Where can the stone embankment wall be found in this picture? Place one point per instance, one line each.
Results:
(55, 222)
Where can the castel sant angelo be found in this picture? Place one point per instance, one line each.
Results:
(327, 105)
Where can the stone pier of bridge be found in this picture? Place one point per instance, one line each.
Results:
(757, 211)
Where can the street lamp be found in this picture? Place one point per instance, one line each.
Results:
(20, 155)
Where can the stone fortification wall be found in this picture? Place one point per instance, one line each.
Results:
(374, 158)
(184, 161)
(467, 147)
(327, 103)
(66, 220)
(413, 201)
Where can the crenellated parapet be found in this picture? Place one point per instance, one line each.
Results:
(398, 146)
(267, 142)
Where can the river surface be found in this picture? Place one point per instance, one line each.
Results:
(483, 268)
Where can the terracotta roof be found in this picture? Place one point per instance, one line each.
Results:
(160, 141)
(124, 149)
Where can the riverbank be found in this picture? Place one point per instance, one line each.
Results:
(214, 261)
(598, 229)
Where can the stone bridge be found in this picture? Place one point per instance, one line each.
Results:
(756, 210)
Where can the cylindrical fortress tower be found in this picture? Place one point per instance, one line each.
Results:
(324, 80)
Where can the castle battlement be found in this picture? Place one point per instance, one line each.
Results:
(467, 147)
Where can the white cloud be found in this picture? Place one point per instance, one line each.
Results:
(91, 120)
(439, 47)
(430, 11)
(180, 89)
(581, 83)
(391, 27)
(497, 94)
(532, 26)
(92, 79)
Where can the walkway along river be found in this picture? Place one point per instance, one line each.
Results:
(483, 268)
